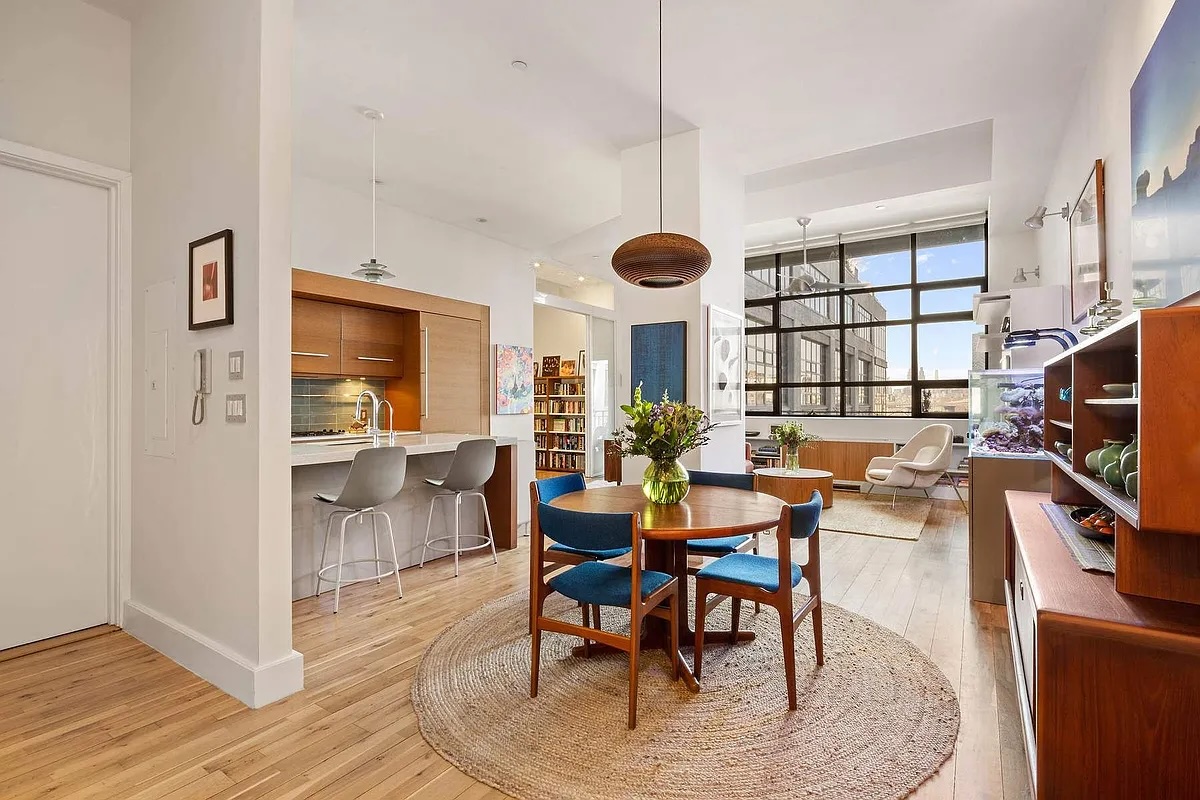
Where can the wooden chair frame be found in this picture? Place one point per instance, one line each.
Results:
(782, 601)
(539, 590)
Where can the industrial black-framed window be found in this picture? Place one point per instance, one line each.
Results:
(900, 346)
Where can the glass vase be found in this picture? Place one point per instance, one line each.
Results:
(665, 482)
(791, 458)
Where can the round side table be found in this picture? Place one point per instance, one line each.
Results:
(795, 485)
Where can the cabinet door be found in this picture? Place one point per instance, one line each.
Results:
(316, 337)
(372, 342)
(451, 375)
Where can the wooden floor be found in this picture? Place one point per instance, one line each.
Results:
(106, 717)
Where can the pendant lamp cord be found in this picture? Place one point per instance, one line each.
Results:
(660, 118)
(374, 125)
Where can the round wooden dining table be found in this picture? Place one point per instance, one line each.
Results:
(708, 512)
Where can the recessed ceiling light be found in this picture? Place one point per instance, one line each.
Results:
(581, 279)
(481, 220)
(537, 264)
(880, 207)
(519, 65)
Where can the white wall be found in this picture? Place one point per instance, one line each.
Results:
(558, 333)
(64, 79)
(1009, 252)
(1099, 128)
(331, 233)
(211, 538)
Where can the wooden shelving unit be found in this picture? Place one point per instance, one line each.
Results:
(1158, 532)
(560, 423)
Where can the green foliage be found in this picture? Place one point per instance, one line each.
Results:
(792, 434)
(663, 431)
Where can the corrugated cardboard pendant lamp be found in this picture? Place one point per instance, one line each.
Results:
(661, 260)
(372, 271)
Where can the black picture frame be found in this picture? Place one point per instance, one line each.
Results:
(227, 316)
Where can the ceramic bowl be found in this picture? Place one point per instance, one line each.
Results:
(1082, 514)
(1119, 389)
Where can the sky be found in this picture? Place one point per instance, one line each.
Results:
(1165, 98)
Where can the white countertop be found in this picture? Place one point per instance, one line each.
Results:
(306, 453)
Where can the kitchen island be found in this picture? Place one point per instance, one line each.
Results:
(322, 466)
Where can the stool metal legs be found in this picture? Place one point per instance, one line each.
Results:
(488, 540)
(347, 515)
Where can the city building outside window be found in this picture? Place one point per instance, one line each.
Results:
(900, 345)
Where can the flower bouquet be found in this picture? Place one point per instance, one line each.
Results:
(662, 432)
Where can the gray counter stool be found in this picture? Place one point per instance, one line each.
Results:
(376, 476)
(474, 461)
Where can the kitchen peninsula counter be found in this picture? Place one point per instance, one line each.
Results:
(322, 466)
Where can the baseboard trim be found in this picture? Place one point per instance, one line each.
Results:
(254, 685)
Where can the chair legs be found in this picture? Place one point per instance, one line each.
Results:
(870, 488)
(818, 635)
(788, 629)
(536, 645)
(701, 613)
(357, 514)
(634, 647)
(737, 617)
(489, 540)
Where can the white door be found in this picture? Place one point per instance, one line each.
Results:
(54, 458)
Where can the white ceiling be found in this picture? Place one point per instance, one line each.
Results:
(779, 83)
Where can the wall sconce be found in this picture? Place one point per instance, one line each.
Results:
(1038, 219)
(1022, 275)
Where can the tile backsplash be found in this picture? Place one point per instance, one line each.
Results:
(320, 403)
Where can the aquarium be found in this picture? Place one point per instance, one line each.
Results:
(1006, 414)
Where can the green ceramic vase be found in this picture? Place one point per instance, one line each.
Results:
(1109, 454)
(1112, 475)
(1092, 460)
(665, 482)
(1129, 459)
(1131, 484)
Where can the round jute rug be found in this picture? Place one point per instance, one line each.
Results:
(875, 721)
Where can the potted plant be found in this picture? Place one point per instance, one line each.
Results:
(792, 438)
(662, 432)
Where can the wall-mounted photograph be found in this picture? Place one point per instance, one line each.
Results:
(1165, 160)
(210, 281)
(726, 379)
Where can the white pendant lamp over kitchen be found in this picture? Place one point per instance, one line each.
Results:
(372, 271)
(661, 260)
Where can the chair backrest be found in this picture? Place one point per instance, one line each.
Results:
(731, 480)
(932, 443)
(806, 517)
(586, 530)
(547, 489)
(376, 476)
(474, 461)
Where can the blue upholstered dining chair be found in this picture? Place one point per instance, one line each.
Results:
(745, 576)
(559, 555)
(596, 583)
(715, 548)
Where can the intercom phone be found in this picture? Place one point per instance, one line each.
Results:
(201, 382)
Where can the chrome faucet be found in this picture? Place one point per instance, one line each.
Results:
(373, 425)
(391, 423)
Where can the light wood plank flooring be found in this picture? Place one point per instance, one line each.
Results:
(106, 717)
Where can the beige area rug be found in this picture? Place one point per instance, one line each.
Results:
(876, 721)
(874, 515)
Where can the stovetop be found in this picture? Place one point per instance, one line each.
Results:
(323, 432)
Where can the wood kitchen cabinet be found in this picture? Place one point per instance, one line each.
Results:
(316, 337)
(372, 343)
(442, 390)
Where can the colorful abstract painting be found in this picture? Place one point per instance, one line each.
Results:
(514, 379)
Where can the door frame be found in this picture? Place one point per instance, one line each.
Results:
(118, 184)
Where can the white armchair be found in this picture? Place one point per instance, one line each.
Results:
(916, 465)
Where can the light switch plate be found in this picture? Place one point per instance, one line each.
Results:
(237, 360)
(235, 408)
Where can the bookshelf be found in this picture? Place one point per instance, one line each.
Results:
(560, 423)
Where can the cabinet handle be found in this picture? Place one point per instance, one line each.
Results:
(1021, 588)
(310, 355)
(424, 372)
(372, 358)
